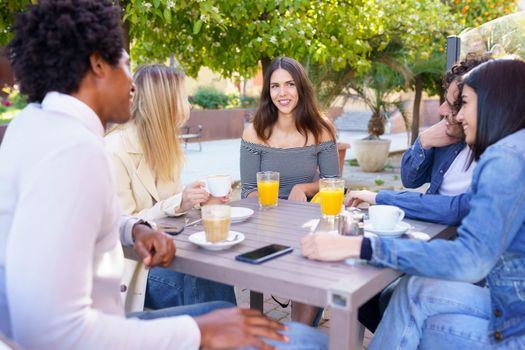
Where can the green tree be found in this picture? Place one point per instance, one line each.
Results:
(7, 9)
(428, 71)
(376, 89)
(343, 37)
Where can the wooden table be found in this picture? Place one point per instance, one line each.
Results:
(340, 286)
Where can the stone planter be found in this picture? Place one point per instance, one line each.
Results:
(371, 154)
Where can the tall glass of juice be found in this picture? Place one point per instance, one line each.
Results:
(268, 188)
(332, 195)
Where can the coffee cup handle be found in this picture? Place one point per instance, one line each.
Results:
(401, 215)
(206, 188)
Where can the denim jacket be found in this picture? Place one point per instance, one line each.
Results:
(490, 242)
(446, 210)
(420, 165)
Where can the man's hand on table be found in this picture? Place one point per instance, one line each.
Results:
(297, 194)
(154, 247)
(329, 247)
(354, 198)
(238, 328)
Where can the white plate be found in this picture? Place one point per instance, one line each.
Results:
(240, 214)
(400, 228)
(199, 238)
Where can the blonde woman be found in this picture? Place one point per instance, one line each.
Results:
(147, 161)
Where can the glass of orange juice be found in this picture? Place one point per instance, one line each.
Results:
(332, 194)
(268, 188)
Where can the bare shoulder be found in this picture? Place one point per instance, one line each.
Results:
(250, 135)
(328, 135)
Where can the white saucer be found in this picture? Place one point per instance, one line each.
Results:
(400, 228)
(199, 238)
(240, 214)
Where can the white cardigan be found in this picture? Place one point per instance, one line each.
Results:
(138, 194)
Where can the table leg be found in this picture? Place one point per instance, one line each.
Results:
(256, 301)
(346, 333)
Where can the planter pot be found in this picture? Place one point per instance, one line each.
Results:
(371, 154)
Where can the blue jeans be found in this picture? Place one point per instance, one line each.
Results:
(300, 337)
(167, 288)
(427, 313)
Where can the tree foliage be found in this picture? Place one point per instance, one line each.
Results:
(7, 9)
(232, 36)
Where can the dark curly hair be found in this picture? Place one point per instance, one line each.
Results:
(460, 68)
(54, 40)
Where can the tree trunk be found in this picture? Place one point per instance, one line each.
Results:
(376, 125)
(265, 62)
(125, 27)
(416, 108)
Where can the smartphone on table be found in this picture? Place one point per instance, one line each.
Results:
(171, 229)
(263, 254)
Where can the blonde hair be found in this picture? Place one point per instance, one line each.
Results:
(160, 107)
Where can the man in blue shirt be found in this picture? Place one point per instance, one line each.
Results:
(440, 157)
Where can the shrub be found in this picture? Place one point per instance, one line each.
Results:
(209, 97)
(12, 104)
(236, 101)
(248, 102)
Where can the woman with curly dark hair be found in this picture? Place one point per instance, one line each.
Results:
(61, 259)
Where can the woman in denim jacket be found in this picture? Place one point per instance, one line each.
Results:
(436, 305)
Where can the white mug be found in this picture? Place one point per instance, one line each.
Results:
(218, 185)
(385, 217)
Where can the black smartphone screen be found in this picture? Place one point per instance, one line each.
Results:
(265, 253)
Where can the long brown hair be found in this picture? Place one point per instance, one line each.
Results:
(308, 118)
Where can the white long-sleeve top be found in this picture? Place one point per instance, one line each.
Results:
(60, 254)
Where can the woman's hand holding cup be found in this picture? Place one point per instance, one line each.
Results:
(194, 194)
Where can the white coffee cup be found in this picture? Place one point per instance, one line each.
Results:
(385, 217)
(219, 185)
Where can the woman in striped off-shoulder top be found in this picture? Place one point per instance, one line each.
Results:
(291, 136)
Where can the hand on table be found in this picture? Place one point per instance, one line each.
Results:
(238, 328)
(329, 247)
(436, 136)
(354, 198)
(297, 194)
(193, 194)
(154, 247)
